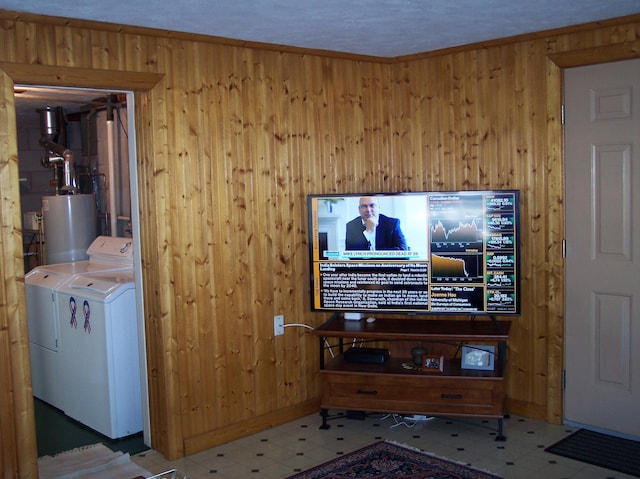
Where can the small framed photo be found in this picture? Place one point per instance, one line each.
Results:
(478, 356)
(432, 364)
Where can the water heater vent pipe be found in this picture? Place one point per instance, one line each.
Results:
(113, 215)
(48, 130)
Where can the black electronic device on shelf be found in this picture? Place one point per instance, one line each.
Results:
(366, 355)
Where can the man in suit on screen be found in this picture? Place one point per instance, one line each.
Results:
(374, 231)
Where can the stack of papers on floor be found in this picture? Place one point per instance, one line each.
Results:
(90, 462)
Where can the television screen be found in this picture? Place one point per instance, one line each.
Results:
(453, 252)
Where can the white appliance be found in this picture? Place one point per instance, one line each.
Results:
(69, 225)
(99, 337)
(44, 338)
(105, 253)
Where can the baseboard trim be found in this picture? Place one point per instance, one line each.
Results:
(251, 426)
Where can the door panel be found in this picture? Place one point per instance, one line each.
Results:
(602, 328)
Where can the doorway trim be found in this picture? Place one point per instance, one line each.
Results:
(81, 77)
(22, 415)
(591, 56)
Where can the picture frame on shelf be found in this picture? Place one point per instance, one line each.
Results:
(478, 356)
(432, 363)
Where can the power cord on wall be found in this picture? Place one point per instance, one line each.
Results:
(355, 342)
(306, 326)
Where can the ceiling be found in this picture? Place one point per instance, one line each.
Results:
(381, 28)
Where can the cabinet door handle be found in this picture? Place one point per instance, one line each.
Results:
(451, 396)
(363, 391)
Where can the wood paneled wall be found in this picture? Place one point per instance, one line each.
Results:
(230, 140)
(17, 434)
(479, 119)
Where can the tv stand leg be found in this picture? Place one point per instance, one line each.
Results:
(324, 413)
(500, 437)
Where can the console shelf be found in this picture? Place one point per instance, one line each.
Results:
(394, 387)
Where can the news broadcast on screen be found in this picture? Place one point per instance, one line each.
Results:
(429, 252)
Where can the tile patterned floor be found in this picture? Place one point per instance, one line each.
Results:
(293, 447)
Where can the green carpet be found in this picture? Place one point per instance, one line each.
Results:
(56, 433)
(610, 452)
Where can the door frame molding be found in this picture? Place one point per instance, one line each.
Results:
(18, 421)
(594, 55)
(81, 77)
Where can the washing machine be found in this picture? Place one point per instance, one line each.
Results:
(100, 364)
(105, 253)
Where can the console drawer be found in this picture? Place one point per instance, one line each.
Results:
(424, 394)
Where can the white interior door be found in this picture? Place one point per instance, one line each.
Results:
(602, 329)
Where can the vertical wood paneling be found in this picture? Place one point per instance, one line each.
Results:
(200, 199)
(182, 218)
(277, 92)
(491, 132)
(174, 320)
(46, 45)
(64, 52)
(100, 50)
(241, 216)
(552, 342)
(216, 365)
(9, 459)
(17, 458)
(151, 131)
(231, 142)
(27, 32)
(9, 36)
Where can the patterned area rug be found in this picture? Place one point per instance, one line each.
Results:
(90, 462)
(387, 460)
(610, 452)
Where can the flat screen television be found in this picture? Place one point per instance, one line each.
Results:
(453, 252)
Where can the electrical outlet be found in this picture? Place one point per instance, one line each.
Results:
(278, 324)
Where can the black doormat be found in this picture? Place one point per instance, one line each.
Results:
(610, 452)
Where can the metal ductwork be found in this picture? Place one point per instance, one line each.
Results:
(51, 136)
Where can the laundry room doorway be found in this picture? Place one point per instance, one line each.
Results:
(98, 128)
